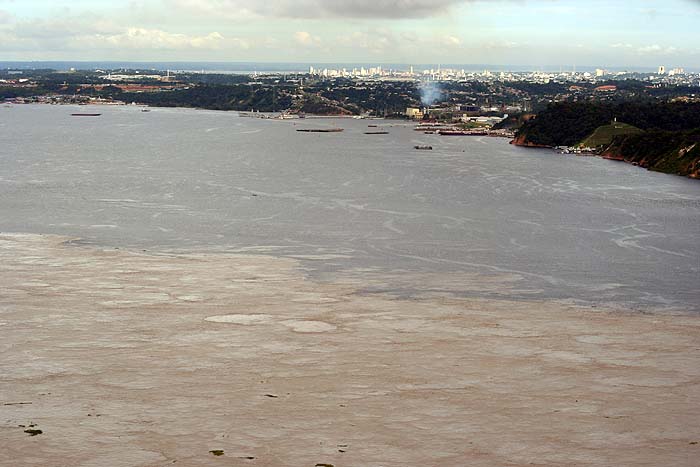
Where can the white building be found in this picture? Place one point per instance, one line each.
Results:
(676, 71)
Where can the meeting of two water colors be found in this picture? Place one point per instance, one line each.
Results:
(473, 217)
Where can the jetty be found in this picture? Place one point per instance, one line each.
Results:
(320, 130)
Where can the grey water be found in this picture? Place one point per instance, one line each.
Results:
(559, 227)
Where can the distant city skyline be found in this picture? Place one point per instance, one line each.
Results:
(535, 33)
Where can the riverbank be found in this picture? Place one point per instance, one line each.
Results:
(665, 160)
(662, 137)
(131, 358)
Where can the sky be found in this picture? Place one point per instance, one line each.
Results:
(613, 34)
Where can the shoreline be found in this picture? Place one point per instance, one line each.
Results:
(515, 142)
(129, 358)
(241, 113)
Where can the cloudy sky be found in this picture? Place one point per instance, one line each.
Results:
(612, 33)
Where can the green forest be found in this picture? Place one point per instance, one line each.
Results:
(669, 143)
(568, 123)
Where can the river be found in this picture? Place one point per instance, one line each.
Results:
(474, 217)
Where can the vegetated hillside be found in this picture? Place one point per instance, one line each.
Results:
(215, 97)
(242, 97)
(603, 135)
(669, 143)
(567, 124)
(676, 152)
(322, 106)
(563, 124)
(513, 121)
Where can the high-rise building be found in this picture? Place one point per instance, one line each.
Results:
(676, 71)
(662, 70)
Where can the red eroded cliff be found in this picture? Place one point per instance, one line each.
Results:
(521, 140)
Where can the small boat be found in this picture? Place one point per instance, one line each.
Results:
(145, 110)
(423, 148)
(321, 130)
(376, 132)
(85, 115)
(462, 132)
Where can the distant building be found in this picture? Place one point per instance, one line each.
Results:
(468, 108)
(599, 73)
(676, 71)
(609, 88)
(414, 113)
(662, 70)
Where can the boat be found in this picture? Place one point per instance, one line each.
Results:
(85, 115)
(320, 130)
(145, 110)
(433, 128)
(376, 132)
(423, 148)
(462, 132)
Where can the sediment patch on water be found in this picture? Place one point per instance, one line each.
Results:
(143, 359)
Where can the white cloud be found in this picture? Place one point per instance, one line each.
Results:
(450, 41)
(158, 40)
(375, 41)
(656, 49)
(502, 44)
(81, 35)
(306, 39)
(327, 30)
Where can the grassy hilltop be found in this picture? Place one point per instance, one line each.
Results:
(603, 135)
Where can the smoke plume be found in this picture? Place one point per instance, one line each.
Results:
(429, 93)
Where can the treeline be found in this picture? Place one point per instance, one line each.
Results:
(568, 123)
(316, 98)
(321, 106)
(538, 89)
(12, 93)
(379, 98)
(216, 97)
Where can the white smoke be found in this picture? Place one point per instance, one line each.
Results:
(430, 93)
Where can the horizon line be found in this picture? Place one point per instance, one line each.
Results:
(504, 67)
